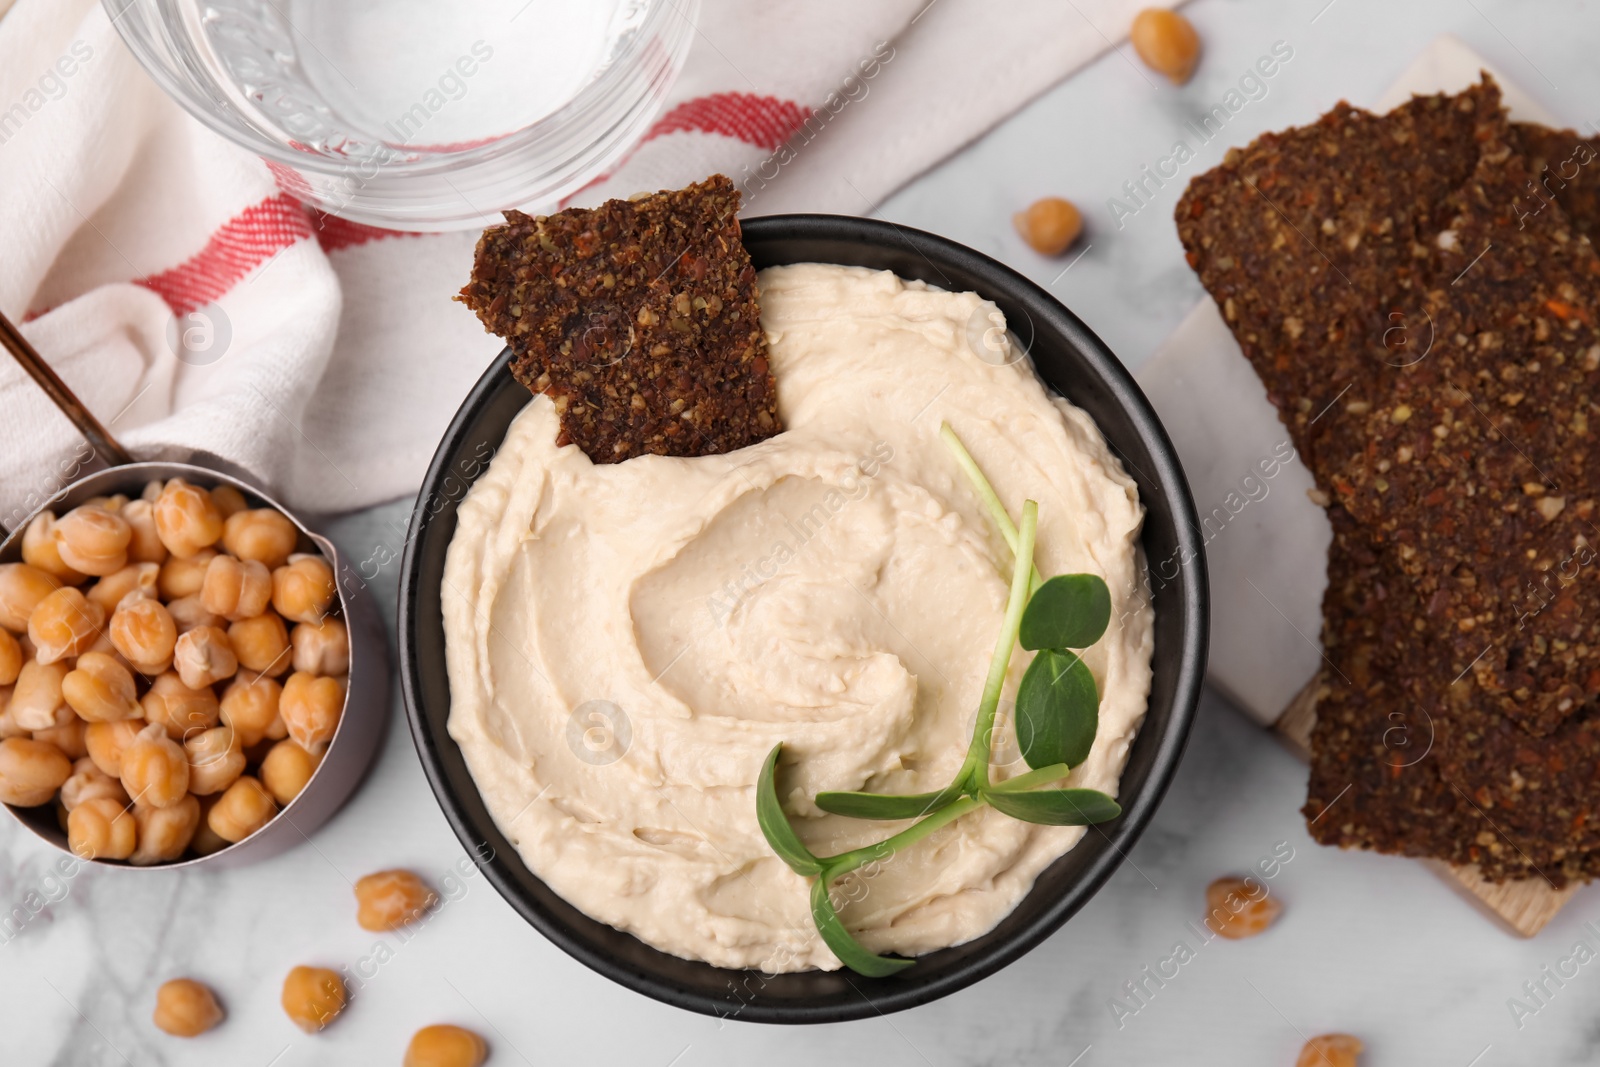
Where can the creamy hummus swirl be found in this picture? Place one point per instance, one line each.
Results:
(626, 642)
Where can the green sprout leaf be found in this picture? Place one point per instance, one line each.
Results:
(1056, 807)
(851, 952)
(886, 805)
(1058, 710)
(775, 824)
(1068, 611)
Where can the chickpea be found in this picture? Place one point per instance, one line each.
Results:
(89, 782)
(1049, 225)
(143, 631)
(180, 710)
(21, 589)
(1167, 43)
(8, 722)
(70, 737)
(313, 997)
(65, 624)
(321, 648)
(113, 504)
(215, 760)
(185, 1008)
(31, 771)
(39, 549)
(236, 589)
(1330, 1050)
(388, 900)
(286, 769)
(186, 518)
(165, 832)
(152, 491)
(229, 502)
(243, 808)
(135, 577)
(261, 643)
(250, 706)
(1240, 907)
(92, 540)
(189, 613)
(101, 829)
(263, 535)
(155, 769)
(108, 741)
(145, 545)
(303, 588)
(10, 658)
(184, 577)
(311, 707)
(36, 701)
(205, 840)
(203, 657)
(442, 1045)
(100, 689)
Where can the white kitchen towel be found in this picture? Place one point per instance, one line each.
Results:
(1266, 542)
(325, 358)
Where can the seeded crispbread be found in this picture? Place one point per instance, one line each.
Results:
(638, 318)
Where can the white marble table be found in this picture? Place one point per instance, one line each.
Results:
(1371, 945)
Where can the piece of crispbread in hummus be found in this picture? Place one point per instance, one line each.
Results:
(638, 318)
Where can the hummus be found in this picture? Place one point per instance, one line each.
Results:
(626, 642)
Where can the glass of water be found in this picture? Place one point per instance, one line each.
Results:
(418, 114)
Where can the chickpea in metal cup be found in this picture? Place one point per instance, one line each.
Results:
(172, 670)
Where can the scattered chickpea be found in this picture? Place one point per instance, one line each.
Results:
(1330, 1050)
(313, 997)
(215, 760)
(388, 900)
(108, 741)
(143, 631)
(187, 518)
(1239, 907)
(36, 701)
(243, 808)
(236, 589)
(180, 710)
(250, 706)
(286, 769)
(321, 648)
(101, 829)
(1049, 225)
(184, 577)
(165, 832)
(190, 612)
(229, 502)
(10, 658)
(203, 657)
(100, 689)
(145, 545)
(135, 577)
(1167, 43)
(92, 540)
(31, 771)
(185, 1008)
(311, 707)
(155, 769)
(21, 589)
(443, 1045)
(263, 535)
(261, 643)
(65, 624)
(70, 737)
(39, 549)
(303, 589)
(89, 782)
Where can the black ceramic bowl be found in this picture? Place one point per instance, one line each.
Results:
(1076, 364)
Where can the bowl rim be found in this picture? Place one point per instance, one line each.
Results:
(880, 997)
